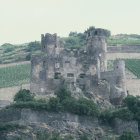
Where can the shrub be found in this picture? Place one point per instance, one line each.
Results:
(69, 137)
(63, 93)
(28, 57)
(42, 135)
(123, 113)
(127, 135)
(10, 126)
(84, 137)
(54, 104)
(23, 95)
(106, 116)
(56, 136)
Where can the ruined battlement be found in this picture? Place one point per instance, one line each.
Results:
(81, 71)
(97, 32)
(51, 44)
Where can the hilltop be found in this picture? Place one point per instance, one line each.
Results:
(10, 53)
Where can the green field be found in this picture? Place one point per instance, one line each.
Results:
(14, 75)
(131, 64)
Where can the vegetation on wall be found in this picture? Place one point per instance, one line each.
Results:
(5, 126)
(64, 102)
(127, 135)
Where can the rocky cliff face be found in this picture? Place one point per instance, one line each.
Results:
(64, 123)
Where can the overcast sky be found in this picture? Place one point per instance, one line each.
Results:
(23, 21)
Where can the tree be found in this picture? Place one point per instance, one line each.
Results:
(63, 93)
(24, 96)
(127, 135)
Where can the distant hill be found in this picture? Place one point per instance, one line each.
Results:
(10, 53)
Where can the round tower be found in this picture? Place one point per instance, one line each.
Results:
(97, 45)
(118, 85)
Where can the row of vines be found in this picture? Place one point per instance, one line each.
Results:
(14, 75)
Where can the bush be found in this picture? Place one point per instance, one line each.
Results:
(63, 102)
(24, 96)
(106, 116)
(69, 137)
(28, 57)
(127, 135)
(63, 93)
(123, 113)
(84, 137)
(81, 107)
(42, 135)
(10, 126)
(54, 104)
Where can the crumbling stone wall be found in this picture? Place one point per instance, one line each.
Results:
(117, 82)
(55, 66)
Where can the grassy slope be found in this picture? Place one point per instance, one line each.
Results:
(10, 53)
(17, 75)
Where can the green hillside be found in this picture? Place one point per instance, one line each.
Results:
(20, 74)
(14, 75)
(10, 53)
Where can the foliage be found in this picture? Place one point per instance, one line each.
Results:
(14, 75)
(23, 96)
(63, 93)
(75, 40)
(106, 116)
(84, 137)
(43, 135)
(127, 135)
(5, 126)
(123, 113)
(34, 46)
(64, 102)
(54, 104)
(69, 137)
(133, 104)
(28, 57)
(8, 50)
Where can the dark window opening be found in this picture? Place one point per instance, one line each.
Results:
(82, 75)
(57, 75)
(67, 61)
(70, 75)
(96, 33)
(44, 63)
(44, 46)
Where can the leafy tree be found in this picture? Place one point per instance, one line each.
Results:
(73, 34)
(127, 135)
(63, 93)
(28, 57)
(84, 137)
(24, 96)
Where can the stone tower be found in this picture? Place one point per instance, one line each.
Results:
(97, 46)
(51, 44)
(118, 86)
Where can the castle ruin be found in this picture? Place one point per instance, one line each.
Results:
(81, 70)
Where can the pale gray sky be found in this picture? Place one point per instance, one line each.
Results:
(23, 21)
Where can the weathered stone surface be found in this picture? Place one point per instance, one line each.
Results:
(81, 70)
(121, 125)
(41, 120)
